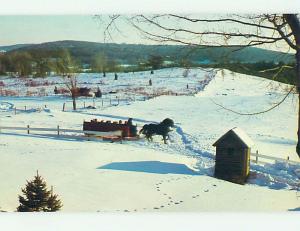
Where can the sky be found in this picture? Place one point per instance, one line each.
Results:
(42, 28)
(36, 21)
(48, 32)
(20, 29)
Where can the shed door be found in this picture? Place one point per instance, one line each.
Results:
(247, 161)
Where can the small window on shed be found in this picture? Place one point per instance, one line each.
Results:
(230, 151)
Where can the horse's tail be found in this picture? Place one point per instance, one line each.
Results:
(141, 130)
(144, 129)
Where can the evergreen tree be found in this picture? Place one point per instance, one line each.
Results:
(37, 198)
(53, 203)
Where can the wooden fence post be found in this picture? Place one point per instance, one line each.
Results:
(64, 105)
(27, 129)
(15, 110)
(58, 130)
(118, 101)
(256, 157)
(83, 104)
(25, 108)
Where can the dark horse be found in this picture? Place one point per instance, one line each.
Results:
(162, 129)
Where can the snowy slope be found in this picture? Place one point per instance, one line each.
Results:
(143, 176)
(128, 85)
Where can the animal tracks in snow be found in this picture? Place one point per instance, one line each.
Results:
(171, 200)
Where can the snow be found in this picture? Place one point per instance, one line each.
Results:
(150, 176)
(5, 106)
(241, 134)
(128, 84)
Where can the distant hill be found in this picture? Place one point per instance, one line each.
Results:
(14, 47)
(134, 53)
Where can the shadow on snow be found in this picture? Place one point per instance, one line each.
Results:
(156, 167)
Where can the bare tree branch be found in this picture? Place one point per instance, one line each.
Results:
(283, 35)
(226, 34)
(223, 20)
(256, 113)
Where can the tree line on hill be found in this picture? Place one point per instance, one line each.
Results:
(63, 57)
(60, 62)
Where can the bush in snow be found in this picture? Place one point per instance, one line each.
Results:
(37, 198)
(8, 92)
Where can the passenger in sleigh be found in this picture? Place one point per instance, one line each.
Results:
(132, 128)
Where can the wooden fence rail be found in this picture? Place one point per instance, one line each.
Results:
(257, 156)
(59, 130)
(118, 133)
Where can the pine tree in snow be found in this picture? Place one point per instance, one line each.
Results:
(37, 198)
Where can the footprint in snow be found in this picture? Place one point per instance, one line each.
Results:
(206, 190)
(155, 208)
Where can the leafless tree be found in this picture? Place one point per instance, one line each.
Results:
(68, 68)
(71, 83)
(235, 31)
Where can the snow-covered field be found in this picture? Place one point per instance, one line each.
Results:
(142, 176)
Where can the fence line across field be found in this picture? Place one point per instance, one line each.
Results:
(59, 130)
(86, 102)
(261, 156)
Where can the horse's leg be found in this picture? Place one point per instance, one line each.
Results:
(149, 137)
(165, 140)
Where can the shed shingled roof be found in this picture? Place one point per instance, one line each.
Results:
(245, 139)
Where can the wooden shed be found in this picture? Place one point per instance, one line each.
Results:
(233, 156)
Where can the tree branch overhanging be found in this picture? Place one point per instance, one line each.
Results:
(259, 112)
